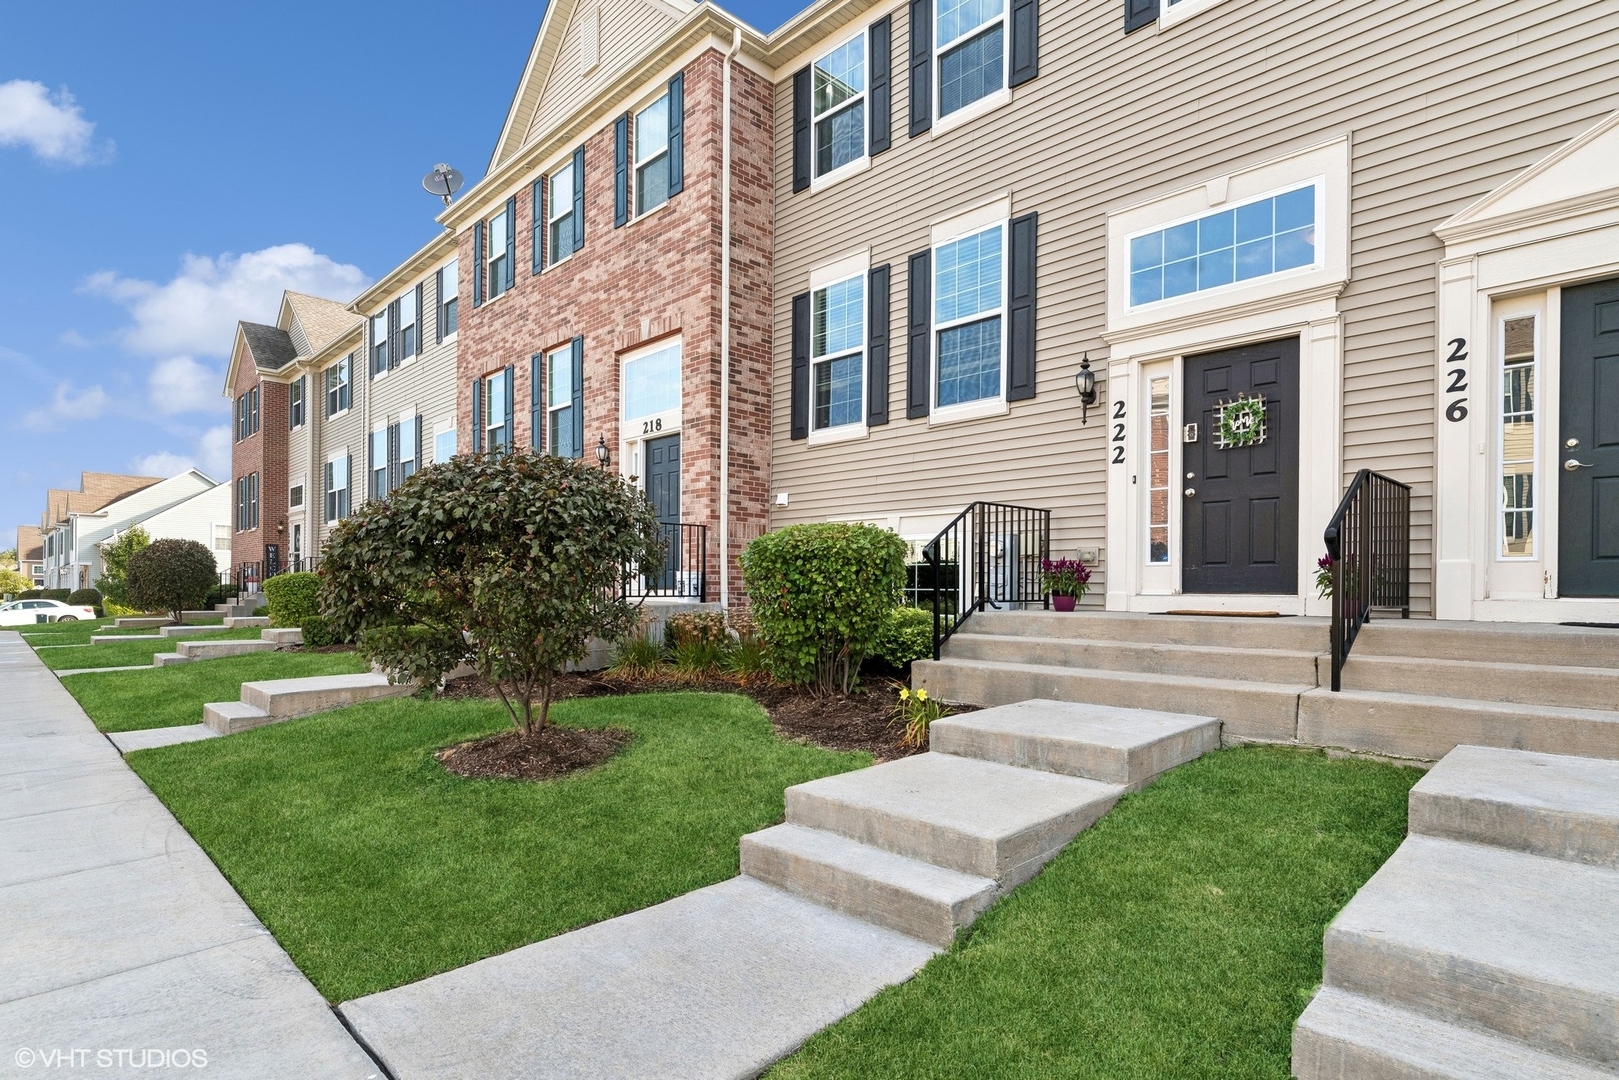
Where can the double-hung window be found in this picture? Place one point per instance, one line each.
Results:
(379, 464)
(295, 496)
(494, 412)
(970, 51)
(969, 300)
(559, 419)
(840, 106)
(247, 414)
(837, 353)
(559, 214)
(379, 343)
(652, 156)
(247, 502)
(443, 440)
(297, 395)
(406, 436)
(409, 339)
(337, 487)
(497, 254)
(338, 386)
(449, 285)
(1254, 240)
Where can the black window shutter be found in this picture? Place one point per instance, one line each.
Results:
(677, 133)
(393, 457)
(1139, 13)
(348, 485)
(536, 403)
(395, 336)
(438, 307)
(1020, 302)
(621, 170)
(877, 346)
(802, 151)
(508, 274)
(421, 317)
(801, 363)
(880, 43)
(477, 415)
(510, 375)
(921, 66)
(537, 197)
(477, 264)
(1025, 41)
(579, 198)
(578, 409)
(418, 458)
(919, 286)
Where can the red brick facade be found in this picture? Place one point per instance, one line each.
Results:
(654, 279)
(264, 453)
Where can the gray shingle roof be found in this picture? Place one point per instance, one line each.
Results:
(270, 347)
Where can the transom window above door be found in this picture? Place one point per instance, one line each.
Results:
(971, 51)
(969, 296)
(839, 112)
(837, 354)
(1254, 240)
(652, 390)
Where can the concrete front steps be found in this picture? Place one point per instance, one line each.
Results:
(925, 844)
(1488, 945)
(274, 700)
(270, 640)
(1412, 689)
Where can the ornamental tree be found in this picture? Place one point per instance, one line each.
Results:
(511, 562)
(115, 556)
(172, 576)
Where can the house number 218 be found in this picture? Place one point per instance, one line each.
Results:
(649, 426)
(1456, 411)
(1118, 433)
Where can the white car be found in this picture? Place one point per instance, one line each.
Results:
(24, 612)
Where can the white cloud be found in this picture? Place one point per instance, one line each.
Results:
(211, 454)
(162, 464)
(180, 384)
(67, 407)
(53, 128)
(196, 312)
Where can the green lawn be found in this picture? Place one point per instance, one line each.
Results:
(120, 653)
(167, 697)
(59, 633)
(374, 867)
(1179, 937)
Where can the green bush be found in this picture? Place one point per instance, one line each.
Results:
(292, 598)
(219, 594)
(318, 632)
(637, 656)
(87, 597)
(695, 627)
(821, 596)
(906, 636)
(46, 594)
(170, 575)
(115, 556)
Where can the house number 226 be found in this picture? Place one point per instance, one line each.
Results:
(1118, 433)
(1456, 411)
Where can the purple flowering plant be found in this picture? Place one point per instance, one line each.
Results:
(1066, 577)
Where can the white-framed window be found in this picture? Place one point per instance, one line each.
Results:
(838, 354)
(839, 106)
(297, 402)
(494, 411)
(409, 321)
(339, 386)
(652, 156)
(969, 51)
(651, 394)
(969, 327)
(496, 252)
(379, 342)
(1517, 448)
(1255, 239)
(1171, 12)
(295, 496)
(407, 446)
(559, 425)
(379, 463)
(449, 286)
(559, 214)
(221, 538)
(443, 440)
(337, 486)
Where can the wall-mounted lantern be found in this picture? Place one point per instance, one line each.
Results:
(603, 455)
(1085, 383)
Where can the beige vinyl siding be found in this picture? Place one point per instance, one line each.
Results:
(345, 430)
(626, 29)
(1443, 102)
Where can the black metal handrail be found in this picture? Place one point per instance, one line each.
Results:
(1369, 545)
(988, 556)
(684, 572)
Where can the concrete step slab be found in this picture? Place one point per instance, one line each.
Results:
(139, 622)
(170, 659)
(1101, 742)
(978, 817)
(188, 631)
(1299, 634)
(191, 617)
(1427, 728)
(1512, 643)
(233, 622)
(1500, 941)
(232, 717)
(1529, 684)
(283, 635)
(287, 698)
(128, 742)
(918, 899)
(1348, 1037)
(1546, 804)
(1157, 658)
(1248, 710)
(108, 639)
(209, 650)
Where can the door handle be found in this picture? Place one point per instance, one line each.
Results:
(1191, 492)
(1575, 466)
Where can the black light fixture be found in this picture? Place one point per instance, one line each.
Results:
(603, 455)
(1085, 383)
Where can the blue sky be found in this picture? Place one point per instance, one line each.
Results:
(171, 167)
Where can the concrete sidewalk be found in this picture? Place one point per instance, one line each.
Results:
(120, 941)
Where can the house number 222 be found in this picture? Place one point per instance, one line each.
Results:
(1118, 433)
(1456, 411)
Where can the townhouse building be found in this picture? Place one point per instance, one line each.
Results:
(31, 554)
(189, 506)
(96, 489)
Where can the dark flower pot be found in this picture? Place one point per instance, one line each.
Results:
(1062, 603)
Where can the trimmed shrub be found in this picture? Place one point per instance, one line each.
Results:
(695, 628)
(906, 636)
(318, 632)
(170, 575)
(45, 594)
(87, 597)
(821, 596)
(292, 598)
(115, 556)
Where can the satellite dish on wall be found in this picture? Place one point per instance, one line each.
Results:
(443, 181)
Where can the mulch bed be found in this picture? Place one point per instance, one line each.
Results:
(551, 752)
(326, 648)
(860, 721)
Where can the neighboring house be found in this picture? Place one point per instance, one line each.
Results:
(59, 567)
(205, 518)
(31, 554)
(74, 545)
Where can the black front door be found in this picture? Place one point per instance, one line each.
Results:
(1240, 531)
(1588, 493)
(663, 488)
